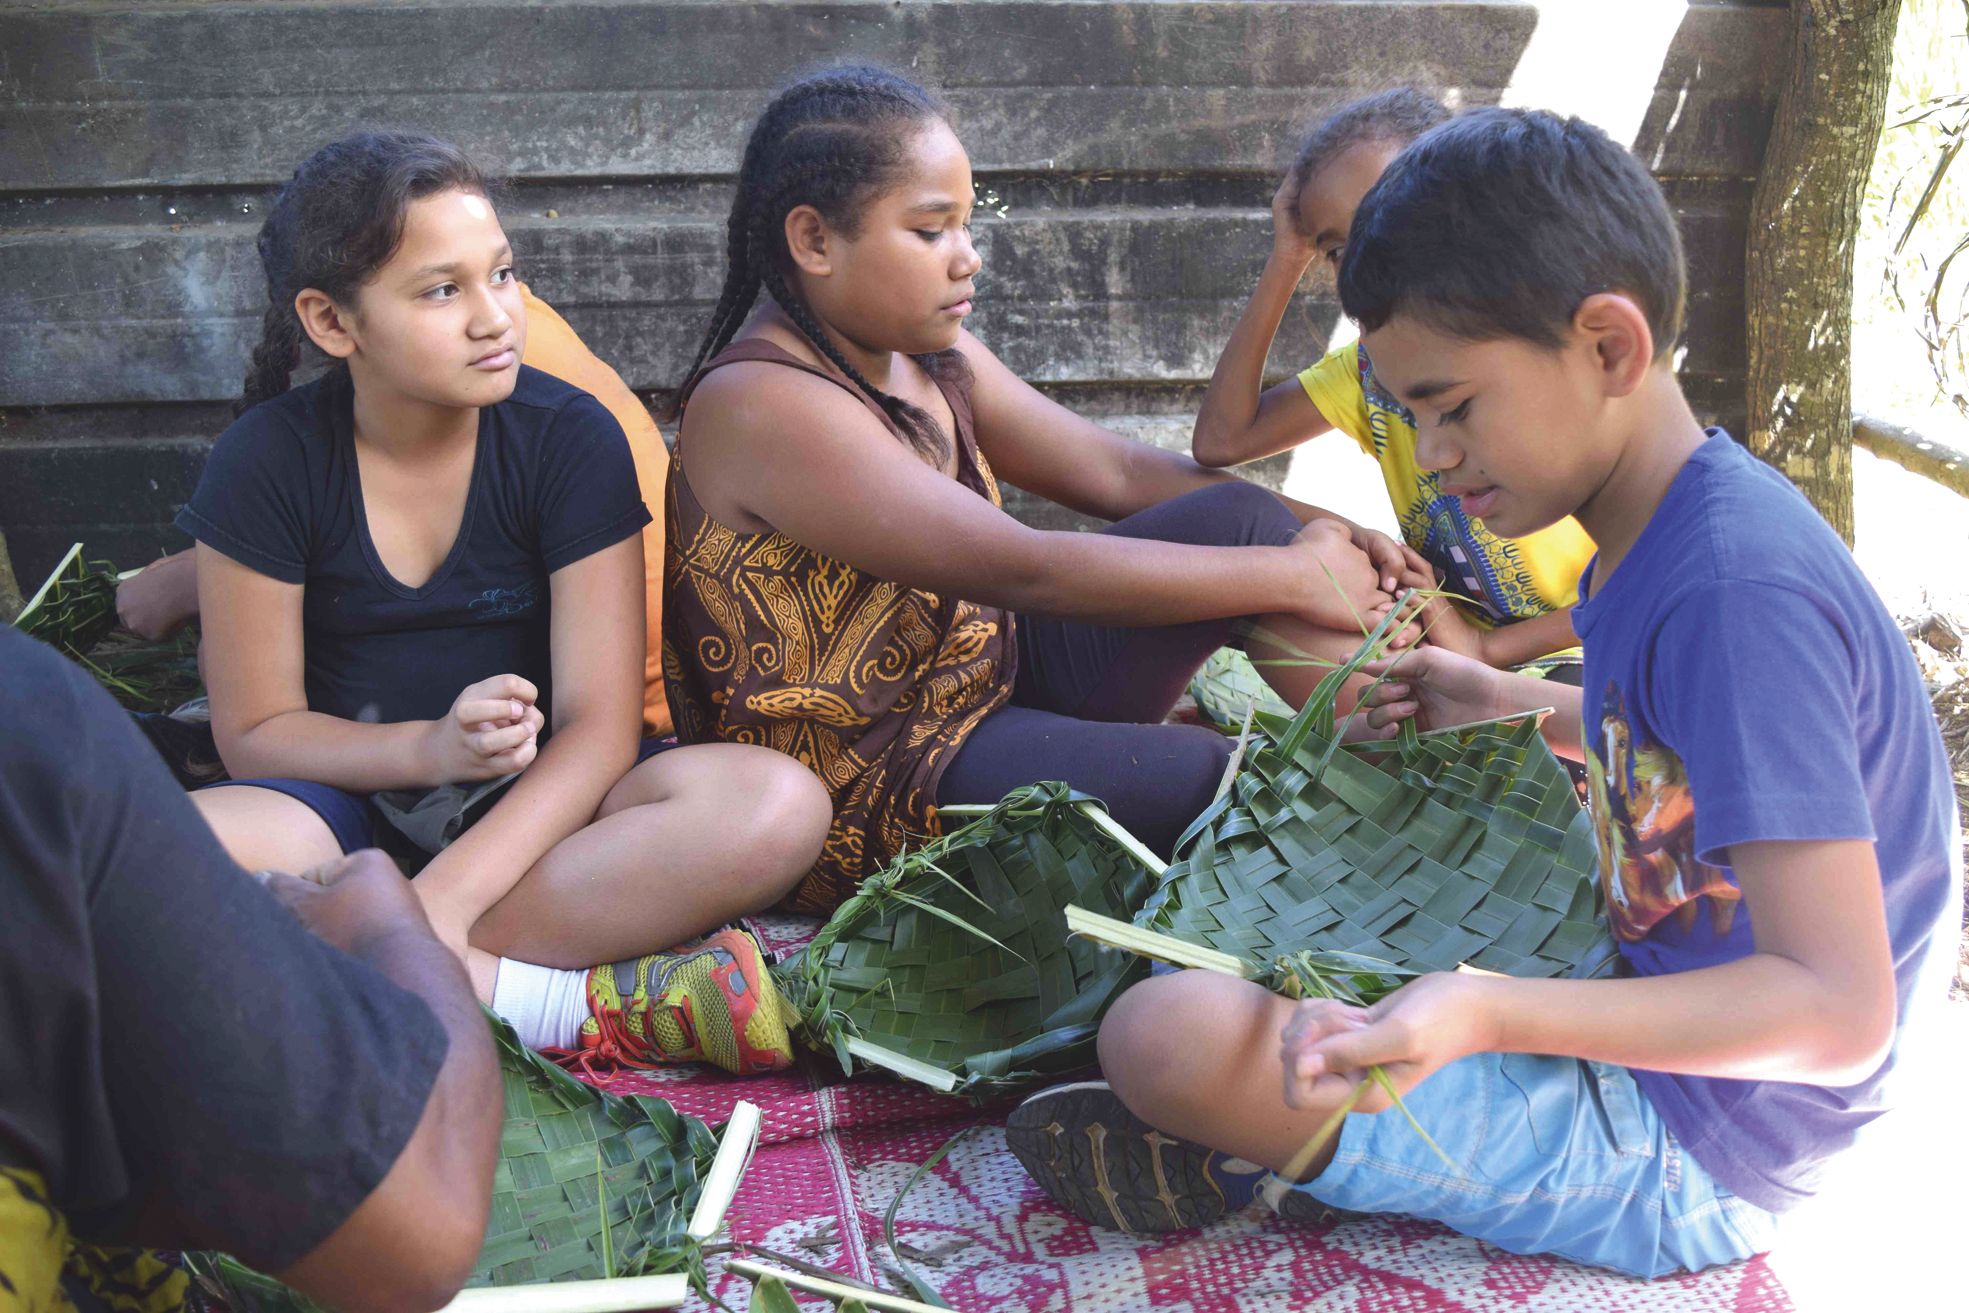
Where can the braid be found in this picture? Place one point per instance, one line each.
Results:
(274, 359)
(831, 141)
(735, 300)
(925, 435)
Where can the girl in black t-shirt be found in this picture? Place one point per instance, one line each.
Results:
(421, 583)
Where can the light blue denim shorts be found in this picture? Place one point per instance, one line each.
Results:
(1558, 1156)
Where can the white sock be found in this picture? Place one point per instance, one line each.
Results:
(544, 1005)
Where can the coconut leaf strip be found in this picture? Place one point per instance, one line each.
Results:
(953, 966)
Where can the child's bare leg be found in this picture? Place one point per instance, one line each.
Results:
(1278, 646)
(265, 830)
(684, 843)
(1196, 1055)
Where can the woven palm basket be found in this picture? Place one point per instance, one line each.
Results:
(953, 967)
(1466, 845)
(567, 1152)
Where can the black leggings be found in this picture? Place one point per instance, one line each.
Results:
(1089, 698)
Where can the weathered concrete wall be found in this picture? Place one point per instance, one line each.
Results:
(1133, 147)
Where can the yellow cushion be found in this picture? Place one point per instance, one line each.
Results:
(553, 348)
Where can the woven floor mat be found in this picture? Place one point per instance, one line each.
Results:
(835, 1152)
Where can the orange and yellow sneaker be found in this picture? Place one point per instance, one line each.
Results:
(711, 1000)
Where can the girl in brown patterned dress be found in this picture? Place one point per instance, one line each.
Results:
(843, 585)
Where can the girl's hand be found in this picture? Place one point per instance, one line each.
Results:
(160, 599)
(1289, 246)
(1433, 1020)
(1401, 566)
(1436, 687)
(493, 729)
(1340, 588)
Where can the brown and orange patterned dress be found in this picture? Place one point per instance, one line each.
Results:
(869, 683)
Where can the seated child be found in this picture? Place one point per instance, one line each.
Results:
(159, 600)
(1779, 839)
(1518, 590)
(421, 585)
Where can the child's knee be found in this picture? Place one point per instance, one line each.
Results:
(1152, 1043)
(787, 815)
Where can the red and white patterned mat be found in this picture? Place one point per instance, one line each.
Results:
(834, 1153)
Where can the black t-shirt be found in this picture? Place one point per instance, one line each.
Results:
(553, 482)
(170, 1037)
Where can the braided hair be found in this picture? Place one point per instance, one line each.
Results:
(337, 221)
(833, 140)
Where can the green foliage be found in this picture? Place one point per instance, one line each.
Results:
(956, 955)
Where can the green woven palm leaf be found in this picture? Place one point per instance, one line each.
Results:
(1464, 846)
(1227, 685)
(566, 1152)
(952, 965)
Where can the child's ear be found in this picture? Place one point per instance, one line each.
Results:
(1616, 327)
(806, 238)
(325, 323)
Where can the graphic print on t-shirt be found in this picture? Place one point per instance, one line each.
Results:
(500, 603)
(1645, 818)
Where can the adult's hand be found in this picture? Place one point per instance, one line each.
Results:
(350, 901)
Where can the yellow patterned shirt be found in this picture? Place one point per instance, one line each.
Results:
(1508, 578)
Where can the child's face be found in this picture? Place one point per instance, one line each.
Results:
(903, 282)
(1330, 197)
(1523, 435)
(442, 321)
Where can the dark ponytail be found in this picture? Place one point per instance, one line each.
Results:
(337, 221)
(832, 140)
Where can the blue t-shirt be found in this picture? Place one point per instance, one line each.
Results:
(1744, 683)
(552, 482)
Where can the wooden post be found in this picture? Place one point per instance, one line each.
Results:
(1804, 218)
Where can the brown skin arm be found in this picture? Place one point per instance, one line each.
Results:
(1814, 1003)
(1504, 646)
(160, 599)
(839, 483)
(1237, 422)
(412, 1242)
(597, 652)
(1037, 444)
(252, 659)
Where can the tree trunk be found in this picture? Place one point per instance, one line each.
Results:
(1798, 292)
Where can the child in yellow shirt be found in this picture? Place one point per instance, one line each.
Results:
(1515, 595)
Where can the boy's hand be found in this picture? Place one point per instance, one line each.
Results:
(1436, 687)
(1289, 246)
(1428, 1023)
(493, 729)
(350, 900)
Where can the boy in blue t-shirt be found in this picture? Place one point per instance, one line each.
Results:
(1778, 834)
